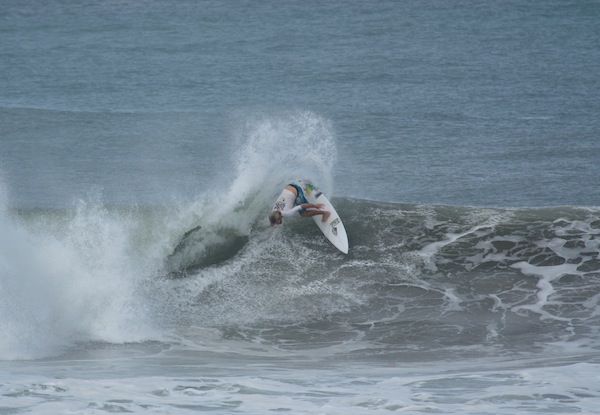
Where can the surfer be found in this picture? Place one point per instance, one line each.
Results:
(292, 200)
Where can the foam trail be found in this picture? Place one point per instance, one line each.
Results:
(428, 252)
(547, 274)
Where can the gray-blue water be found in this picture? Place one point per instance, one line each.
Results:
(458, 141)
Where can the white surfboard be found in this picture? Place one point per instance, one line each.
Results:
(333, 229)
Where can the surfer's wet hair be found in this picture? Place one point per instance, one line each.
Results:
(274, 217)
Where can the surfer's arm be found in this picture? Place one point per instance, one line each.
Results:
(312, 209)
(289, 212)
(308, 213)
(315, 211)
(312, 205)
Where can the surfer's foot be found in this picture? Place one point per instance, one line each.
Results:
(325, 216)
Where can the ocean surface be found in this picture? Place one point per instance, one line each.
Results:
(143, 143)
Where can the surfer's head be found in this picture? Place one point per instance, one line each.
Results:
(275, 217)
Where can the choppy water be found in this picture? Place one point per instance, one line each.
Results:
(142, 145)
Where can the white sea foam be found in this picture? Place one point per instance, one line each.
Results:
(75, 283)
(455, 389)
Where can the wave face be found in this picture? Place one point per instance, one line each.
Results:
(435, 278)
(419, 282)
